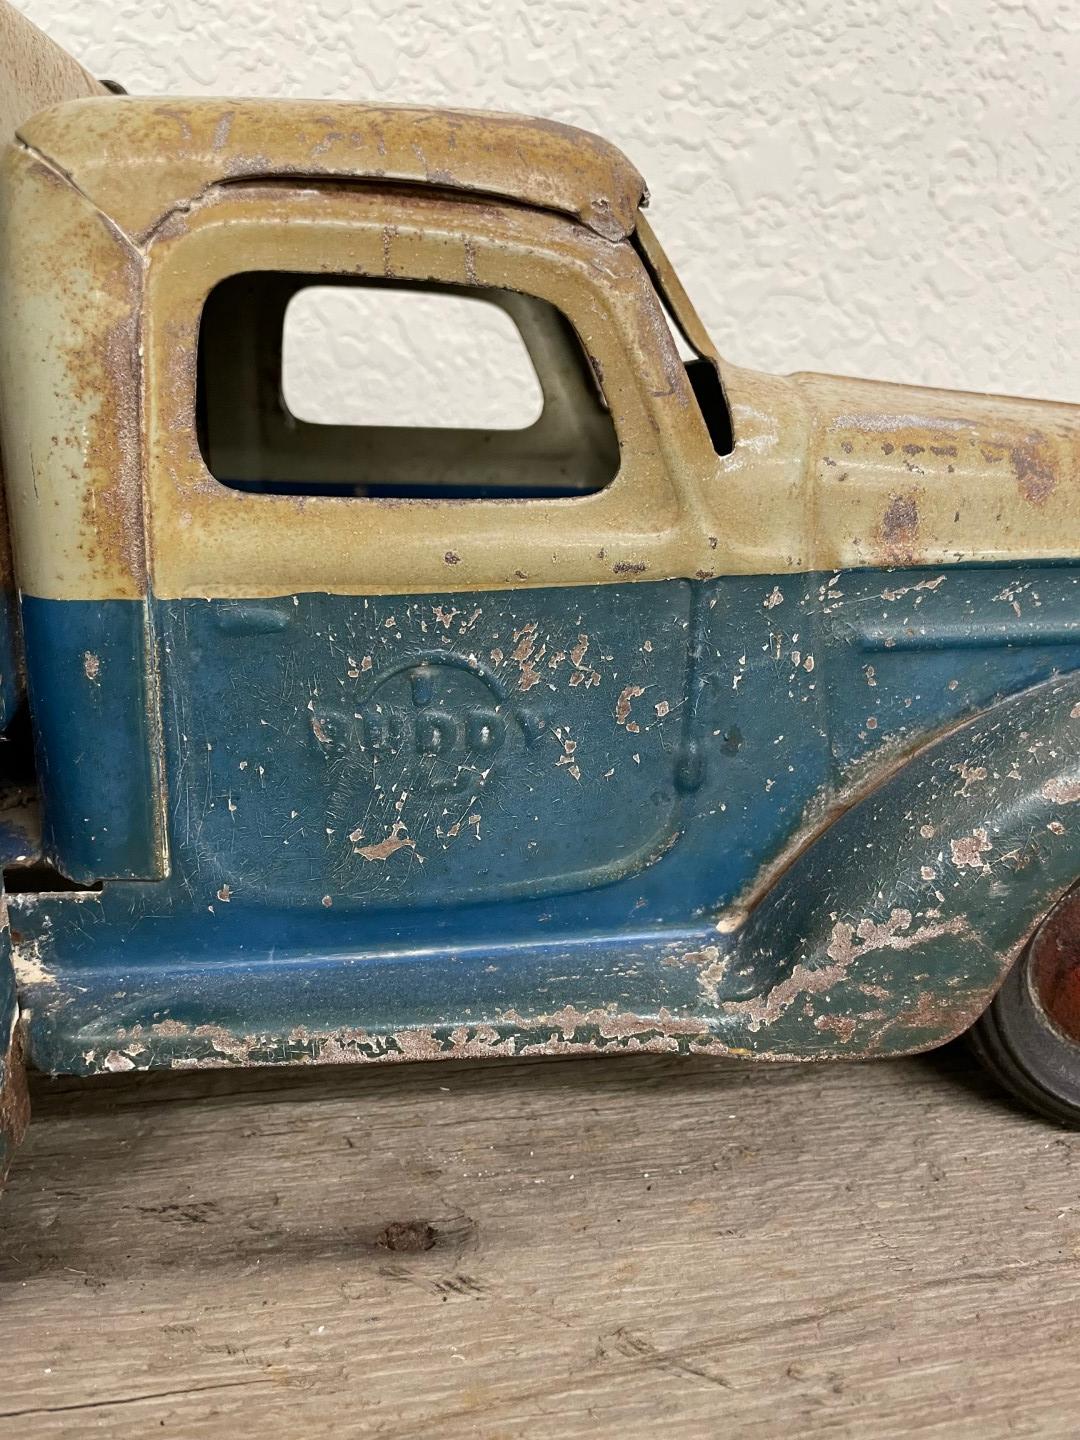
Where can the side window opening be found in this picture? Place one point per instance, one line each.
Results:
(334, 385)
(345, 350)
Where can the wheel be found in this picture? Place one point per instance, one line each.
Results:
(1029, 1038)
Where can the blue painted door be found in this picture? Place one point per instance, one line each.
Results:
(425, 750)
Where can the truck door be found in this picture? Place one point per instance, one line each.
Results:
(414, 665)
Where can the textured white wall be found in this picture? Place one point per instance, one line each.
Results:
(878, 187)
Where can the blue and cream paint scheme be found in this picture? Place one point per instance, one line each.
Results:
(771, 753)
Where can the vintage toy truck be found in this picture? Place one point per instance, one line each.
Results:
(713, 713)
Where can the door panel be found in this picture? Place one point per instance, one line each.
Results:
(432, 750)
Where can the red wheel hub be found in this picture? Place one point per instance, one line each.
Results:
(1054, 966)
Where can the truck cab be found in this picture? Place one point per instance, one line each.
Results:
(710, 712)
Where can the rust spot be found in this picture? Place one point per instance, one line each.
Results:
(944, 1015)
(629, 567)
(1055, 967)
(1035, 474)
(452, 557)
(900, 522)
(712, 965)
(842, 1026)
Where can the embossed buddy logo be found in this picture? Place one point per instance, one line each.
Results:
(440, 722)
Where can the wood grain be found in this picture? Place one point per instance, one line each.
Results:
(635, 1247)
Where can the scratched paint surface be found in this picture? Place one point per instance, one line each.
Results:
(322, 761)
(423, 750)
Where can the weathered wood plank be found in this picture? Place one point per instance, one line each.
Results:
(615, 1246)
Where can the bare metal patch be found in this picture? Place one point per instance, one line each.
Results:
(1062, 792)
(395, 841)
(967, 852)
(622, 705)
(849, 944)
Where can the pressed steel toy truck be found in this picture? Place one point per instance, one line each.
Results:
(712, 713)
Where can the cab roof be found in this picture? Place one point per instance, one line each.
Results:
(138, 159)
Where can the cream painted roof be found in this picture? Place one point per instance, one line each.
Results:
(138, 159)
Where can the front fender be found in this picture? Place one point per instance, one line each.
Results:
(893, 930)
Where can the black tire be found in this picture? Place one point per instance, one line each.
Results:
(1029, 1038)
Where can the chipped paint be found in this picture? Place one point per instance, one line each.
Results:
(1062, 792)
(968, 850)
(30, 970)
(822, 917)
(899, 528)
(894, 934)
(627, 696)
(569, 1031)
(395, 841)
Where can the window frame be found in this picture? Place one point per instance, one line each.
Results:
(206, 539)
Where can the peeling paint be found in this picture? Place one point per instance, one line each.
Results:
(967, 852)
(622, 705)
(1062, 792)
(782, 500)
(395, 841)
(893, 934)
(29, 968)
